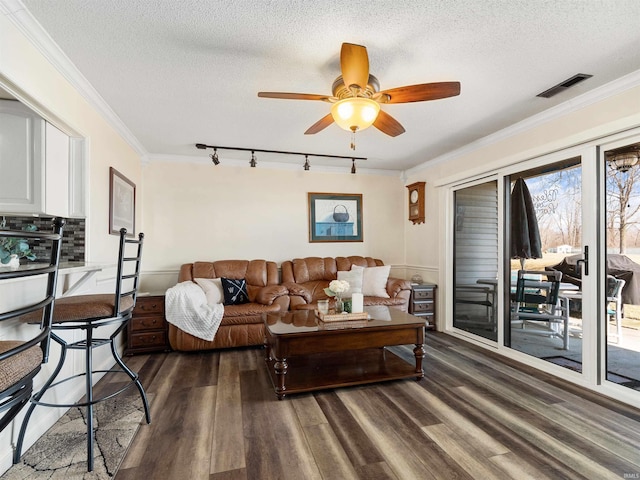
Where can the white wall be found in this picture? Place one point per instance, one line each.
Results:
(198, 211)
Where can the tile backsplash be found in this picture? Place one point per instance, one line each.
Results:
(73, 239)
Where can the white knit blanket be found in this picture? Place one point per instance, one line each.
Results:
(186, 307)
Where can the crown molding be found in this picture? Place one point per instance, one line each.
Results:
(596, 95)
(18, 14)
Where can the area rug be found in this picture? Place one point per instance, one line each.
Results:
(62, 451)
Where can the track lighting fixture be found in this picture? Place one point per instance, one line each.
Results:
(253, 162)
(214, 157)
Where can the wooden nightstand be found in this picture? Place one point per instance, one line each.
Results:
(423, 303)
(147, 329)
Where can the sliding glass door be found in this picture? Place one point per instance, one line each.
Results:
(546, 263)
(620, 335)
(475, 259)
(543, 222)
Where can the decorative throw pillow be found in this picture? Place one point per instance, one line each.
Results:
(354, 278)
(235, 291)
(374, 280)
(212, 289)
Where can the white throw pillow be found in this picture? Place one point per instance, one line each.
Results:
(374, 280)
(354, 278)
(212, 289)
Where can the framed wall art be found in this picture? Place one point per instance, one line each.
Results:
(122, 203)
(335, 217)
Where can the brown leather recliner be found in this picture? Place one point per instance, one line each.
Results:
(306, 279)
(242, 325)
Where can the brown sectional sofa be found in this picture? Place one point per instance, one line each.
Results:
(302, 285)
(241, 325)
(306, 279)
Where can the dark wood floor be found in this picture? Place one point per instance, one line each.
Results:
(474, 415)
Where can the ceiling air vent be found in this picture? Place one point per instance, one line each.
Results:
(561, 87)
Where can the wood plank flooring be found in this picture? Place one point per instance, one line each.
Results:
(474, 415)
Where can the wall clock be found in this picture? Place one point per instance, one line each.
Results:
(416, 202)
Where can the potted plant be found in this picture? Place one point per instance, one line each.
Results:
(13, 249)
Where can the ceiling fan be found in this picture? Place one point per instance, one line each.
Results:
(357, 97)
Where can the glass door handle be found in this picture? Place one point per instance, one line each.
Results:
(584, 260)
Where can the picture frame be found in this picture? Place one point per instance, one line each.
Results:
(335, 217)
(122, 203)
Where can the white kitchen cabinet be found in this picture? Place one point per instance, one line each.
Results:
(40, 172)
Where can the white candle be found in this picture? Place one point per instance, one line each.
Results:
(357, 303)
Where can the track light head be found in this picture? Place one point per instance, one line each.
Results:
(253, 161)
(214, 157)
(306, 165)
(353, 166)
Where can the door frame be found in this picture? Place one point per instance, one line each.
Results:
(591, 153)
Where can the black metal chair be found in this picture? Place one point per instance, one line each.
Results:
(21, 360)
(88, 313)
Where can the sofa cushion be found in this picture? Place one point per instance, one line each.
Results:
(235, 291)
(212, 289)
(246, 313)
(267, 295)
(374, 280)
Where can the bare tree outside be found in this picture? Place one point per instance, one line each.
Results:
(623, 204)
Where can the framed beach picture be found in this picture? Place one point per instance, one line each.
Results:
(122, 203)
(335, 217)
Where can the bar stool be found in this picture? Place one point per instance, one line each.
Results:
(21, 360)
(88, 313)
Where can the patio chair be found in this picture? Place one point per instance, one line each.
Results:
(537, 305)
(481, 295)
(614, 303)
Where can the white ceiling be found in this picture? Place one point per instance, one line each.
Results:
(183, 72)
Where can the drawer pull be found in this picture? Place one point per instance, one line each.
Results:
(423, 294)
(423, 307)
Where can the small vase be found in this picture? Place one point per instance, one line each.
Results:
(339, 304)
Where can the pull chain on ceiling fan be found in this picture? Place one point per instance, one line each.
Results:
(357, 100)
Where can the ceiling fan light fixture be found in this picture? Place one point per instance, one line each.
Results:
(624, 161)
(355, 114)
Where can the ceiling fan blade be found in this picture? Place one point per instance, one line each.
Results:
(354, 63)
(321, 124)
(293, 96)
(387, 124)
(421, 93)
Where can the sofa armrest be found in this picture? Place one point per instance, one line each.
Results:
(267, 295)
(297, 290)
(395, 287)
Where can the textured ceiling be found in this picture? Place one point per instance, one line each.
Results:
(184, 72)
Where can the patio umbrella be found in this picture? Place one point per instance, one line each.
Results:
(525, 235)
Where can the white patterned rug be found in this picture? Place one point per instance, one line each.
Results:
(62, 451)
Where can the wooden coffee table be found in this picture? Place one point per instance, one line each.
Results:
(305, 354)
